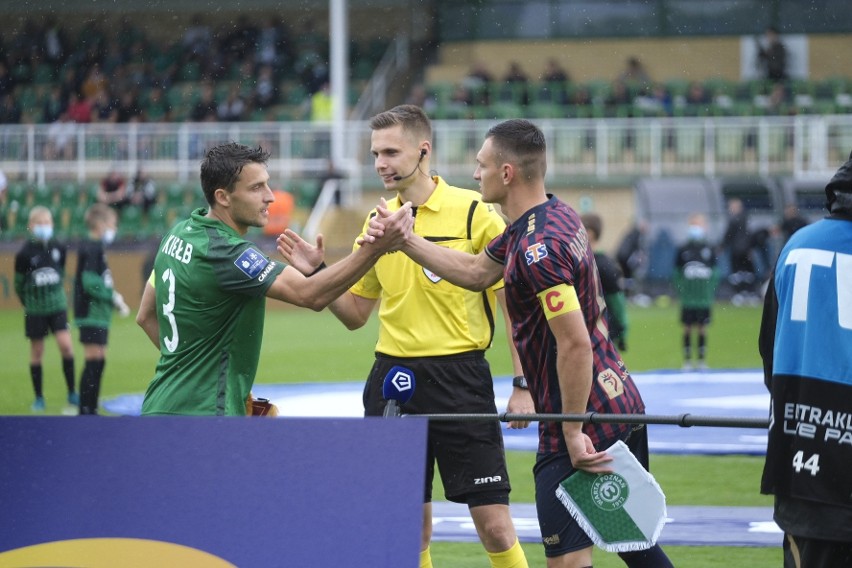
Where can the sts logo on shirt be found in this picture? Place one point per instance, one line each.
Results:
(535, 252)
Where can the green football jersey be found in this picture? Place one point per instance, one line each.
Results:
(39, 275)
(210, 291)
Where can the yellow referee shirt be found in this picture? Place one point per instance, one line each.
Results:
(420, 314)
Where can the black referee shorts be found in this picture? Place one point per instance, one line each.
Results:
(37, 327)
(470, 455)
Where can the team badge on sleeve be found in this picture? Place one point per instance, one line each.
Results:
(558, 300)
(251, 262)
(535, 252)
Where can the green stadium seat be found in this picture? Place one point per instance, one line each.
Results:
(569, 146)
(175, 194)
(18, 220)
(130, 225)
(158, 219)
(77, 227)
(296, 94)
(191, 71)
(18, 191)
(43, 74)
(306, 192)
(730, 144)
(545, 110)
(689, 144)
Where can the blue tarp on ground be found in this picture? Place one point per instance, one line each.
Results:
(731, 393)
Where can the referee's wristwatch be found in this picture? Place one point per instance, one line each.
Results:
(520, 382)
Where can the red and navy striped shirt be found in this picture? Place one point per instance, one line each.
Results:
(547, 247)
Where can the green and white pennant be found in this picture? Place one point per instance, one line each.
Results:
(622, 511)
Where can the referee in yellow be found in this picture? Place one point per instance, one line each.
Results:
(437, 330)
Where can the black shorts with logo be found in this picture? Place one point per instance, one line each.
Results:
(37, 327)
(560, 532)
(470, 455)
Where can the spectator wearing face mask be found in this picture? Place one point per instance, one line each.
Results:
(95, 298)
(39, 285)
(695, 278)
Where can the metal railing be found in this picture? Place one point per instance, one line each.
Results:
(598, 150)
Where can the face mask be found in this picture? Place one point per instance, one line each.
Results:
(109, 236)
(696, 232)
(43, 232)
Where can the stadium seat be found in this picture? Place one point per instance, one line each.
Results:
(175, 195)
(545, 110)
(730, 143)
(569, 146)
(689, 144)
(776, 141)
(18, 191)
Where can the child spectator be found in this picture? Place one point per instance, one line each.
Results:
(39, 284)
(94, 300)
(695, 278)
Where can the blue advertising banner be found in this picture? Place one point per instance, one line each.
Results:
(210, 491)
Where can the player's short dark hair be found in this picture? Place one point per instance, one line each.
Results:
(222, 166)
(521, 142)
(593, 224)
(412, 118)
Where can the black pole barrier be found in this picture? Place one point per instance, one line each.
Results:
(682, 420)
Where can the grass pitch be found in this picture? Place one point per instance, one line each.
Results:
(302, 346)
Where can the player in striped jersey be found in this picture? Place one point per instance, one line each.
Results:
(556, 305)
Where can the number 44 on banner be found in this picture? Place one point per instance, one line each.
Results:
(621, 511)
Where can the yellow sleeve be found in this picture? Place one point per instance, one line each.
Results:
(368, 286)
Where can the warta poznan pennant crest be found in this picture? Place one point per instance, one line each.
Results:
(621, 511)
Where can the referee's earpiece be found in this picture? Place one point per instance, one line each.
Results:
(422, 153)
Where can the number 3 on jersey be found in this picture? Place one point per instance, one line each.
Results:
(171, 343)
(812, 464)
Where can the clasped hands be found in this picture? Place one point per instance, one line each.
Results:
(387, 231)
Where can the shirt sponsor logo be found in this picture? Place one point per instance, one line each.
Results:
(251, 262)
(431, 275)
(266, 271)
(46, 277)
(535, 252)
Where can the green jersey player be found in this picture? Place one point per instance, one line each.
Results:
(204, 304)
